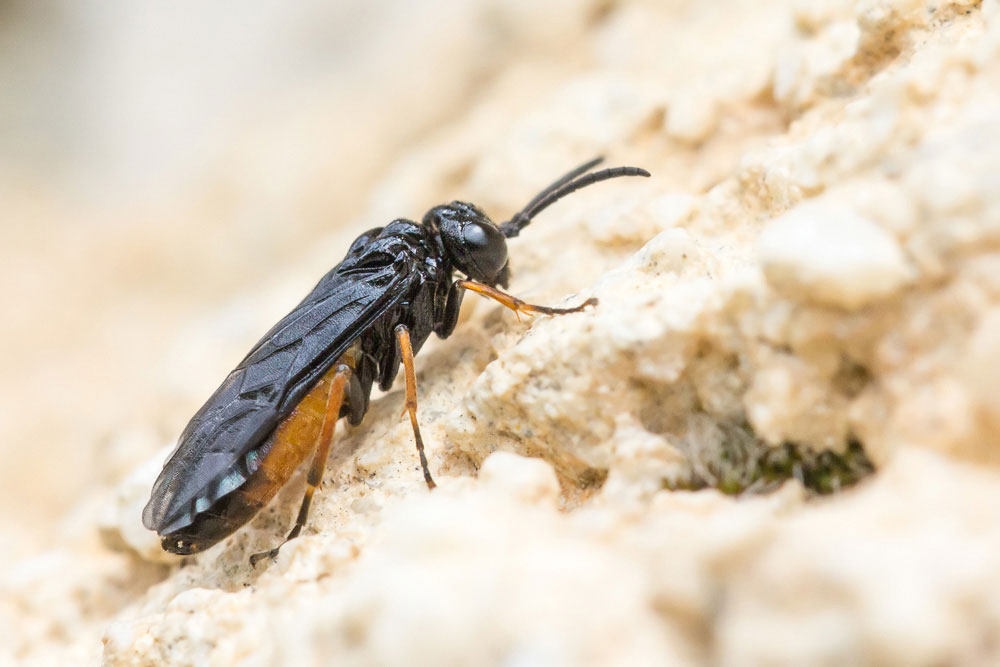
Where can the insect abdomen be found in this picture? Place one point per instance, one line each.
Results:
(290, 444)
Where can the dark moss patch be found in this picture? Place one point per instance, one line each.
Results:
(745, 464)
(822, 472)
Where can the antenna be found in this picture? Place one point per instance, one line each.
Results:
(562, 187)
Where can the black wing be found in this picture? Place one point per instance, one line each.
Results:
(267, 385)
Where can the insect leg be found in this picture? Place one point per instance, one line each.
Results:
(448, 317)
(333, 403)
(403, 336)
(519, 307)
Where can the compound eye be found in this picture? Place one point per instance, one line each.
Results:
(475, 236)
(487, 247)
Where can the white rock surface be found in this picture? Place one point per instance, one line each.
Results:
(828, 254)
(814, 262)
(894, 575)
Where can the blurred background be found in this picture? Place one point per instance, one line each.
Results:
(174, 176)
(156, 159)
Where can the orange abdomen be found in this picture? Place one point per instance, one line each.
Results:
(291, 443)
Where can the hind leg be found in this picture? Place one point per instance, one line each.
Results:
(333, 404)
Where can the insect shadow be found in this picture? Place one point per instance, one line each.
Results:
(372, 312)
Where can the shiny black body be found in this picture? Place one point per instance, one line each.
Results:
(398, 274)
(392, 275)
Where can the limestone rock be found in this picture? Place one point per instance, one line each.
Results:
(801, 301)
(828, 254)
(852, 579)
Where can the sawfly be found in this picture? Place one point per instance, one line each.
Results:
(369, 314)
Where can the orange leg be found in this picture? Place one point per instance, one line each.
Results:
(403, 336)
(315, 477)
(520, 307)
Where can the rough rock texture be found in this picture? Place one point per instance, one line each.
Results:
(807, 291)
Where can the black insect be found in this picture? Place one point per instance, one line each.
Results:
(369, 313)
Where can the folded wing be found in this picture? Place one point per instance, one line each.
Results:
(217, 451)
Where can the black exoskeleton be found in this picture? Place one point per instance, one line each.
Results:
(371, 312)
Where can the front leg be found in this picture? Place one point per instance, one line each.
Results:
(514, 303)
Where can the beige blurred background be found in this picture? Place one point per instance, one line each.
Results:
(156, 159)
(813, 264)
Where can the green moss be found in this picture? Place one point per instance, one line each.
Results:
(823, 472)
(745, 464)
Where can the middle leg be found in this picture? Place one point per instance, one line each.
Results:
(406, 351)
